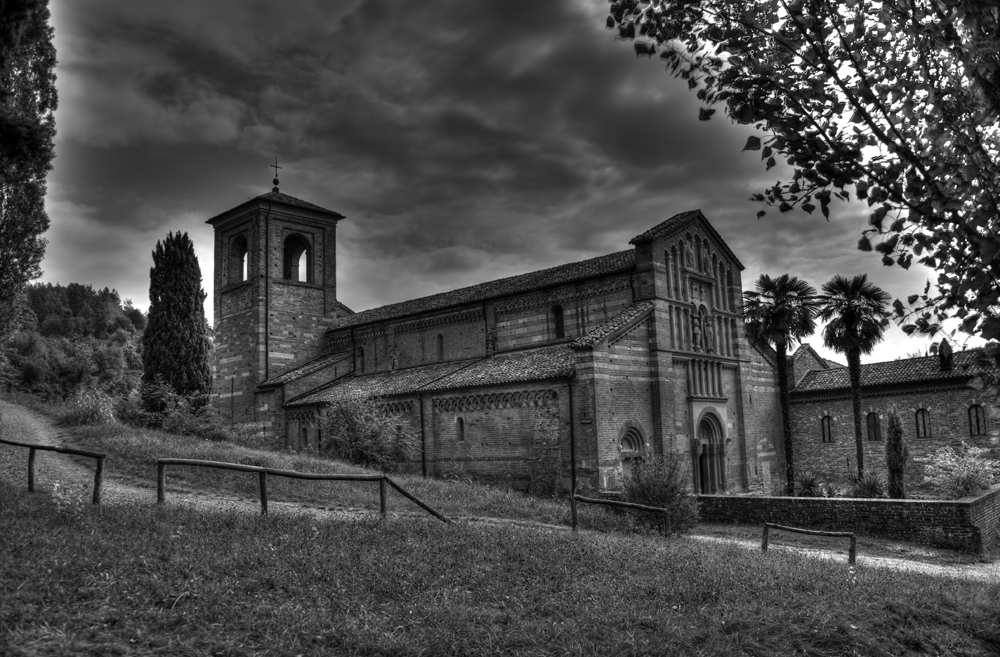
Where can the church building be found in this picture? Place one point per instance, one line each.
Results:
(530, 381)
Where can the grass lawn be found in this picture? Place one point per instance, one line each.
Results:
(137, 580)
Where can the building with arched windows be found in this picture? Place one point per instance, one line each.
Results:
(940, 401)
(576, 371)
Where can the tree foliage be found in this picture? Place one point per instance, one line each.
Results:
(175, 343)
(857, 315)
(27, 128)
(896, 454)
(897, 99)
(779, 313)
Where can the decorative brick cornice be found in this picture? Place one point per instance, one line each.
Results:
(494, 400)
(370, 334)
(465, 317)
(396, 407)
(809, 398)
(597, 288)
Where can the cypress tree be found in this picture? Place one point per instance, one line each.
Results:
(896, 454)
(175, 346)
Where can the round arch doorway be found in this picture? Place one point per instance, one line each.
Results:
(709, 457)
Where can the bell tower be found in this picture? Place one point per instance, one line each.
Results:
(275, 295)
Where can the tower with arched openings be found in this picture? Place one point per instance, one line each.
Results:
(273, 299)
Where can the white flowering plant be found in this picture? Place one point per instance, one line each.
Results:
(961, 471)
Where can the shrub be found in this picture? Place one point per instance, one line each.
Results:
(960, 471)
(89, 407)
(662, 481)
(871, 485)
(808, 485)
(896, 454)
(359, 430)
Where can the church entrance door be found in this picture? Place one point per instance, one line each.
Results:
(710, 456)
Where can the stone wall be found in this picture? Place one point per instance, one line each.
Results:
(968, 524)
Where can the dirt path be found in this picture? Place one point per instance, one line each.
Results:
(23, 424)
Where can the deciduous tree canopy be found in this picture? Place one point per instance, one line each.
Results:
(897, 100)
(27, 128)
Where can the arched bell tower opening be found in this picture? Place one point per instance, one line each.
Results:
(708, 456)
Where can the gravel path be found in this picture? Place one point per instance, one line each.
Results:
(23, 424)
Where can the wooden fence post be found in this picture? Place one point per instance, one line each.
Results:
(31, 470)
(763, 544)
(263, 493)
(852, 555)
(161, 482)
(98, 475)
(382, 497)
(572, 509)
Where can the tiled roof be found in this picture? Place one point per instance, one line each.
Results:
(909, 370)
(545, 363)
(278, 197)
(833, 363)
(308, 368)
(612, 263)
(396, 382)
(619, 321)
(533, 365)
(675, 222)
(805, 349)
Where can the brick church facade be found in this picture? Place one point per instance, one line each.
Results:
(527, 381)
(532, 381)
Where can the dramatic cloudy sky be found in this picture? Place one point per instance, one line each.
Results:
(464, 141)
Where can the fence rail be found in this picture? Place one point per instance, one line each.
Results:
(851, 555)
(383, 481)
(98, 474)
(574, 498)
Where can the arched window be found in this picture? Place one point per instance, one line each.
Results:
(297, 265)
(361, 360)
(826, 428)
(557, 319)
(923, 423)
(977, 420)
(874, 427)
(440, 347)
(460, 430)
(238, 257)
(305, 439)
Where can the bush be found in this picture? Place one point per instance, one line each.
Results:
(808, 485)
(360, 431)
(960, 471)
(871, 485)
(662, 481)
(89, 407)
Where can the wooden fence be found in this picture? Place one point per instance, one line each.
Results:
(262, 472)
(574, 498)
(98, 474)
(851, 555)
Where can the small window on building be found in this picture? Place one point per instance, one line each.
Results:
(923, 423)
(460, 430)
(305, 439)
(826, 428)
(631, 451)
(297, 263)
(977, 420)
(361, 360)
(874, 427)
(557, 319)
(440, 347)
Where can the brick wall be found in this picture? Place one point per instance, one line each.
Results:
(949, 423)
(968, 524)
(517, 443)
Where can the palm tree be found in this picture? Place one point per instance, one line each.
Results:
(857, 314)
(777, 315)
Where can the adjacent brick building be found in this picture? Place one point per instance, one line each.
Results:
(940, 400)
(528, 381)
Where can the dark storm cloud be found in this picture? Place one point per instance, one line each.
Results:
(463, 140)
